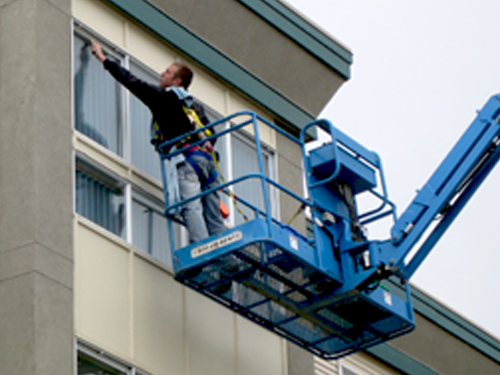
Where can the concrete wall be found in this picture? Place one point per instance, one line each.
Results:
(36, 234)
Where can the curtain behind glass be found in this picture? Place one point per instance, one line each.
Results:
(99, 202)
(143, 154)
(97, 99)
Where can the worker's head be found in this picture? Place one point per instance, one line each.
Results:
(177, 74)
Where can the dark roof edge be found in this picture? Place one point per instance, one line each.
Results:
(220, 64)
(309, 37)
(399, 360)
(455, 324)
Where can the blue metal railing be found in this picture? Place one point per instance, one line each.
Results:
(370, 158)
(238, 122)
(243, 119)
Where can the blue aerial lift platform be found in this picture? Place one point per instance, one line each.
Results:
(325, 288)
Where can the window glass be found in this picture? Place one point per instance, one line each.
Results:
(244, 157)
(144, 155)
(149, 229)
(100, 201)
(97, 99)
(88, 365)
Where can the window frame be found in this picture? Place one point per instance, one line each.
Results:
(115, 53)
(106, 177)
(106, 359)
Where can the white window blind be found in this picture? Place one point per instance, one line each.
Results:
(98, 104)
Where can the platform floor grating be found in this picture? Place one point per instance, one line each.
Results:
(282, 293)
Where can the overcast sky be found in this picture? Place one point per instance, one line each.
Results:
(421, 70)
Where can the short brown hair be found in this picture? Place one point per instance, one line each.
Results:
(184, 73)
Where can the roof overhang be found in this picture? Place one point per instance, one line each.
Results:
(277, 98)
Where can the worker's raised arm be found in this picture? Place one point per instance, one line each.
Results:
(148, 93)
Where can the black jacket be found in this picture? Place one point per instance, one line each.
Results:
(164, 105)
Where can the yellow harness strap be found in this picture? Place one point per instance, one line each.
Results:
(196, 122)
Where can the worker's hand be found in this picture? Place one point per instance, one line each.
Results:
(97, 51)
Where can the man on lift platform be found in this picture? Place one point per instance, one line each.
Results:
(196, 171)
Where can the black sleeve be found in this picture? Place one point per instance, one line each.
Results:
(147, 93)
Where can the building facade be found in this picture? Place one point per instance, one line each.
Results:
(86, 282)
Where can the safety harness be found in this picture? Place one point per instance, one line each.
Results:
(202, 151)
(190, 152)
(210, 155)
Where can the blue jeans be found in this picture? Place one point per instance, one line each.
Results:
(202, 215)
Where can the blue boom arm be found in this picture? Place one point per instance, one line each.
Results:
(444, 195)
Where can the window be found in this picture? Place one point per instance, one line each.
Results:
(103, 200)
(88, 365)
(104, 110)
(98, 99)
(99, 198)
(96, 362)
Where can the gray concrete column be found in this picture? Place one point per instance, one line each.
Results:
(36, 228)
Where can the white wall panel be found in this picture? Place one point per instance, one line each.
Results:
(102, 298)
(210, 336)
(99, 17)
(259, 351)
(158, 319)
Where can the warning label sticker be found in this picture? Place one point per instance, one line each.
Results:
(216, 244)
